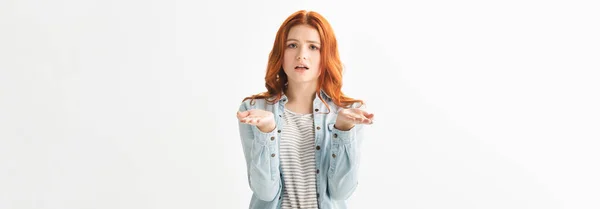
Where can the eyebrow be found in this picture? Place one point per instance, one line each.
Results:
(315, 42)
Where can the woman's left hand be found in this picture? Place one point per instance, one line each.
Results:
(348, 117)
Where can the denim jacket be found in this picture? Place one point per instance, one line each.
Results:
(337, 155)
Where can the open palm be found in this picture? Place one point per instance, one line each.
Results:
(354, 116)
(257, 117)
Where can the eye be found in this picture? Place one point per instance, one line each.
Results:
(313, 47)
(291, 45)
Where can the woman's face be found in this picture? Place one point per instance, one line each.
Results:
(302, 55)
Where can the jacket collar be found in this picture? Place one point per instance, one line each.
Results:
(324, 95)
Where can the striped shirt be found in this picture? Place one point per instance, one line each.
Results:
(297, 154)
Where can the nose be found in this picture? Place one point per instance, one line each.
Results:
(302, 54)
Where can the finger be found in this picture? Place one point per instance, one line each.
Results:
(365, 113)
(247, 120)
(356, 119)
(243, 114)
(364, 121)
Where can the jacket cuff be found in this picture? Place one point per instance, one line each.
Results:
(265, 138)
(342, 137)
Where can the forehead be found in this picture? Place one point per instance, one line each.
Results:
(303, 33)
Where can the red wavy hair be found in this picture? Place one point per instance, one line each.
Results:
(330, 78)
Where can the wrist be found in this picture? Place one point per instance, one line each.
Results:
(343, 126)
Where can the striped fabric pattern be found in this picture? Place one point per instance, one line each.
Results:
(297, 154)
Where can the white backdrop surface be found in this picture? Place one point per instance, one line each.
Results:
(130, 104)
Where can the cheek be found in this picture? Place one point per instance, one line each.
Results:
(318, 70)
(288, 59)
(317, 62)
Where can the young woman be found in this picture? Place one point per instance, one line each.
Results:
(301, 138)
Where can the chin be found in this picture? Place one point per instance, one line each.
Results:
(304, 81)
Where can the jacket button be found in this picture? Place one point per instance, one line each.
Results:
(332, 155)
(278, 131)
(280, 116)
(316, 110)
(318, 128)
(273, 155)
(272, 138)
(318, 147)
(334, 135)
(280, 197)
(317, 170)
(317, 195)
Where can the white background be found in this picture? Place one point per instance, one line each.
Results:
(131, 104)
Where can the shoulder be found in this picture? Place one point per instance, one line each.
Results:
(336, 108)
(253, 103)
(359, 105)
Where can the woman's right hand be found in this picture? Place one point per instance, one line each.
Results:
(262, 119)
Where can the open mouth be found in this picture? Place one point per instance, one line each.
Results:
(301, 67)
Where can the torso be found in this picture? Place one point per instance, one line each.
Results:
(298, 165)
(299, 108)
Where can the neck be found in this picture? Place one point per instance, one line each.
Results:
(303, 93)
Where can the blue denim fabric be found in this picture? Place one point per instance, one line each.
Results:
(337, 160)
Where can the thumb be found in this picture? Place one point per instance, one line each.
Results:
(242, 114)
(365, 113)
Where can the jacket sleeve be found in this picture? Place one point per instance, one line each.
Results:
(262, 161)
(344, 161)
